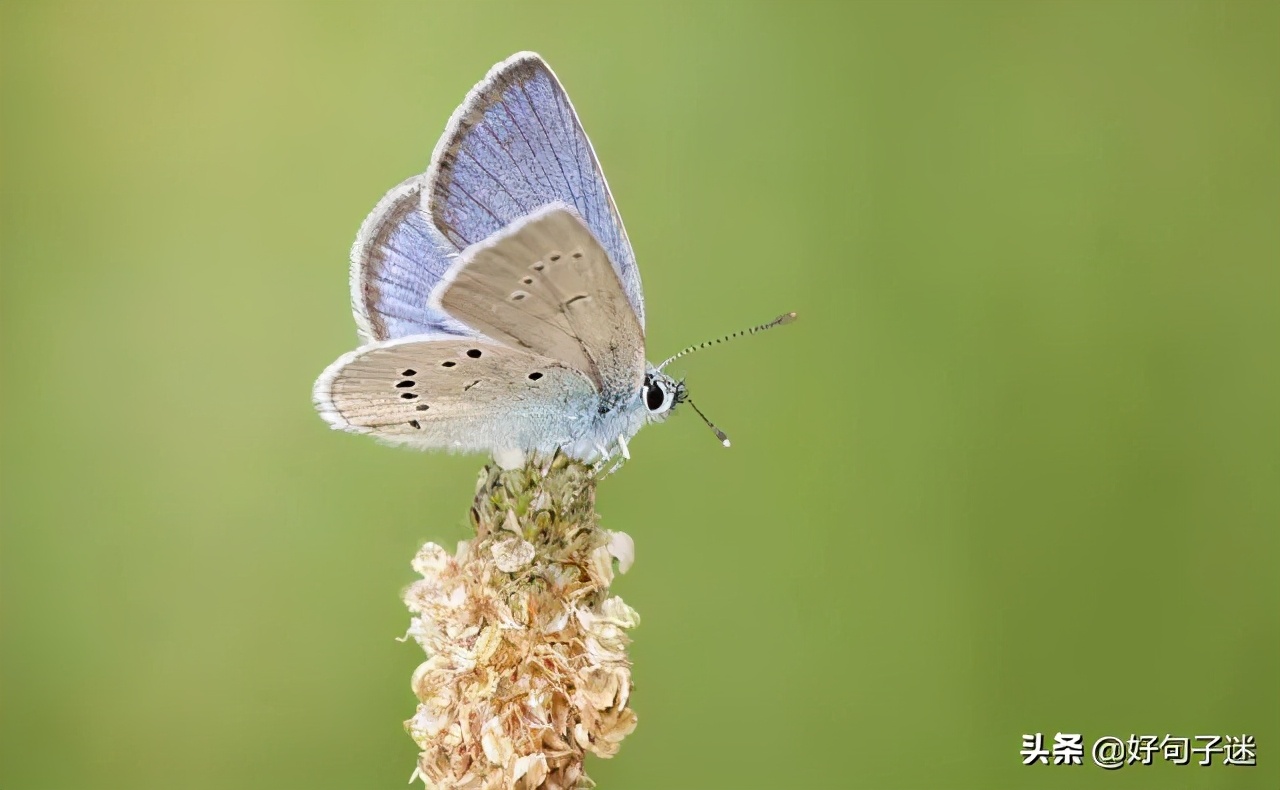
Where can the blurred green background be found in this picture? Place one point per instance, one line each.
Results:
(1016, 470)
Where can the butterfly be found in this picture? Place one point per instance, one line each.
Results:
(497, 297)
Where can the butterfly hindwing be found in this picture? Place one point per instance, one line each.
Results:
(436, 391)
(398, 259)
(544, 284)
(514, 146)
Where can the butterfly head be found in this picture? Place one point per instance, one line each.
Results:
(661, 394)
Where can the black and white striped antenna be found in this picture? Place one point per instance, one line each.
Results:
(785, 318)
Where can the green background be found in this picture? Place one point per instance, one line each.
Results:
(1015, 470)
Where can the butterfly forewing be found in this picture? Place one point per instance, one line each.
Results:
(514, 146)
(451, 393)
(545, 284)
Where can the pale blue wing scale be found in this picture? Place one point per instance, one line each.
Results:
(516, 145)
(397, 261)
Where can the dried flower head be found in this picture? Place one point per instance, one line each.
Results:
(526, 666)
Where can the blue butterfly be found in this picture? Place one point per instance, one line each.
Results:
(497, 296)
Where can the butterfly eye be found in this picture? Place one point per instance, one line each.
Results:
(657, 399)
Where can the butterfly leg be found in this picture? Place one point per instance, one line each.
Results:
(622, 445)
(605, 456)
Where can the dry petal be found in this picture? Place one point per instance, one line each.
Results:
(431, 561)
(487, 643)
(497, 746)
(512, 554)
(536, 771)
(602, 566)
(617, 611)
(623, 549)
(598, 686)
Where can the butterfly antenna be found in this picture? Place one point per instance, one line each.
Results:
(719, 433)
(785, 318)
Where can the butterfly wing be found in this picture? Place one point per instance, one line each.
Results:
(399, 257)
(514, 146)
(437, 391)
(545, 284)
